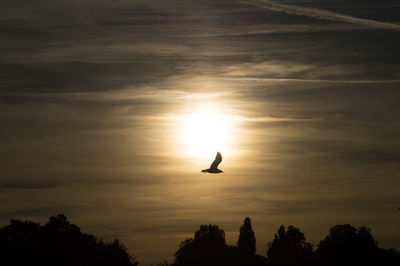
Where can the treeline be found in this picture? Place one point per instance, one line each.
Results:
(345, 245)
(59, 242)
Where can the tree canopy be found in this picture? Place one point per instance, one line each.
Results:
(347, 245)
(289, 247)
(247, 240)
(208, 247)
(58, 242)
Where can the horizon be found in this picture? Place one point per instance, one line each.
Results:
(110, 110)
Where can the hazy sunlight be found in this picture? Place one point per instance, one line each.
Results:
(204, 133)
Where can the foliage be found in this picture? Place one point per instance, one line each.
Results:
(347, 245)
(58, 242)
(206, 248)
(247, 240)
(289, 248)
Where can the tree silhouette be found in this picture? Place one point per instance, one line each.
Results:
(247, 240)
(61, 243)
(58, 242)
(210, 234)
(347, 245)
(19, 243)
(207, 248)
(289, 248)
(246, 243)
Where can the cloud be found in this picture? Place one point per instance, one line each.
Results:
(91, 95)
(311, 80)
(323, 14)
(372, 156)
(255, 29)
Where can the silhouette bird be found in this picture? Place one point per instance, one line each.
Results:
(214, 166)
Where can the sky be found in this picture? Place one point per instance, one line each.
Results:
(109, 110)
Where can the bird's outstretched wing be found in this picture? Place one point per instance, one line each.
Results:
(217, 161)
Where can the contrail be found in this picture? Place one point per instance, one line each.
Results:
(310, 80)
(322, 14)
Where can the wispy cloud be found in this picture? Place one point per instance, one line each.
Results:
(275, 28)
(311, 80)
(323, 14)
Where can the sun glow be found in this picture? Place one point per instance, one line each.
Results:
(204, 133)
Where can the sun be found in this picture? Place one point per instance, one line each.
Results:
(204, 133)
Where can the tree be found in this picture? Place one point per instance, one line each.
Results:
(208, 247)
(247, 241)
(210, 234)
(58, 242)
(59, 224)
(19, 243)
(289, 248)
(347, 245)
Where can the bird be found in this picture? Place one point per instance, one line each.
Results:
(214, 166)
